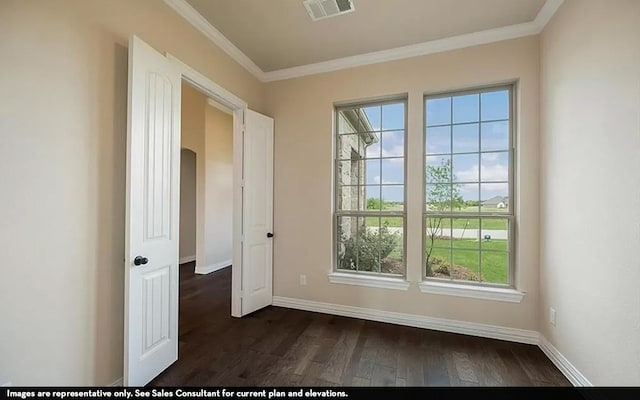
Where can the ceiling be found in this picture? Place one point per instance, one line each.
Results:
(279, 34)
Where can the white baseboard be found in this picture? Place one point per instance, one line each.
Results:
(212, 268)
(418, 321)
(573, 375)
(184, 260)
(116, 383)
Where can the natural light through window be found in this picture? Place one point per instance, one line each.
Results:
(370, 188)
(468, 215)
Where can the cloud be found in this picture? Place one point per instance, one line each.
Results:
(376, 180)
(495, 172)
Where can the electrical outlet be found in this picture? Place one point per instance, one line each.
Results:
(303, 280)
(552, 316)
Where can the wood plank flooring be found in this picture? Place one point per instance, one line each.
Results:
(282, 347)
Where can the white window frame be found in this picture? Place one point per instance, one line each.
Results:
(367, 278)
(464, 288)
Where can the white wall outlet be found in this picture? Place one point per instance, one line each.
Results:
(552, 316)
(303, 280)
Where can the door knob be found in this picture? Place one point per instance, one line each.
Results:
(269, 234)
(139, 260)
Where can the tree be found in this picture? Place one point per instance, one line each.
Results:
(442, 196)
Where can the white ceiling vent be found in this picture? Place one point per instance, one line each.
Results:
(321, 9)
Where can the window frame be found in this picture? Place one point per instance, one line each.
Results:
(356, 214)
(510, 216)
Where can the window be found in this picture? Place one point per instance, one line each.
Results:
(370, 188)
(468, 215)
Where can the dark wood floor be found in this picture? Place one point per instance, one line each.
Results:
(282, 347)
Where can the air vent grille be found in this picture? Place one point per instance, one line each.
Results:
(321, 9)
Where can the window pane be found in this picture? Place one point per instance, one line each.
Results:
(372, 116)
(466, 138)
(348, 199)
(495, 267)
(494, 167)
(466, 108)
(438, 111)
(465, 168)
(373, 150)
(349, 147)
(346, 243)
(465, 233)
(347, 172)
(438, 197)
(439, 169)
(466, 265)
(393, 198)
(368, 244)
(392, 144)
(347, 228)
(495, 197)
(437, 246)
(393, 171)
(392, 245)
(372, 171)
(374, 202)
(495, 234)
(495, 105)
(468, 195)
(438, 140)
(494, 136)
(393, 116)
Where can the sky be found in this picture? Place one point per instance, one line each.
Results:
(453, 127)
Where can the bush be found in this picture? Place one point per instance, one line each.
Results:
(366, 247)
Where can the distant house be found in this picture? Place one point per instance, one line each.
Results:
(496, 202)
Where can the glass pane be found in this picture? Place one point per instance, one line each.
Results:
(495, 105)
(349, 147)
(495, 267)
(392, 245)
(374, 202)
(347, 172)
(494, 197)
(346, 244)
(494, 167)
(466, 265)
(368, 244)
(438, 111)
(393, 198)
(392, 144)
(372, 116)
(466, 108)
(393, 116)
(347, 228)
(438, 140)
(465, 233)
(393, 171)
(373, 150)
(466, 138)
(438, 169)
(495, 234)
(467, 197)
(437, 246)
(494, 136)
(438, 197)
(465, 168)
(348, 198)
(372, 171)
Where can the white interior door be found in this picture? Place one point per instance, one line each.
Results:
(257, 246)
(153, 197)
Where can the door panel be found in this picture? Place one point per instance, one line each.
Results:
(257, 271)
(153, 205)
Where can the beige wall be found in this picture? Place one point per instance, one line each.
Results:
(62, 171)
(218, 187)
(187, 204)
(590, 199)
(303, 109)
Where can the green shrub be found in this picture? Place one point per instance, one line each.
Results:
(368, 248)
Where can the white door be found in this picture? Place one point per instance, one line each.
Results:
(257, 247)
(152, 218)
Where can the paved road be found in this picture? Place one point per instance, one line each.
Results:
(462, 233)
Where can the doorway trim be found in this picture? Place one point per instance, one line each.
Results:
(238, 106)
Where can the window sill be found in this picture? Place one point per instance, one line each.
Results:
(476, 292)
(383, 282)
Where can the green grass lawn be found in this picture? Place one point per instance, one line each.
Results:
(458, 223)
(465, 253)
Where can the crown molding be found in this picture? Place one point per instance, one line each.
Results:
(534, 27)
(186, 11)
